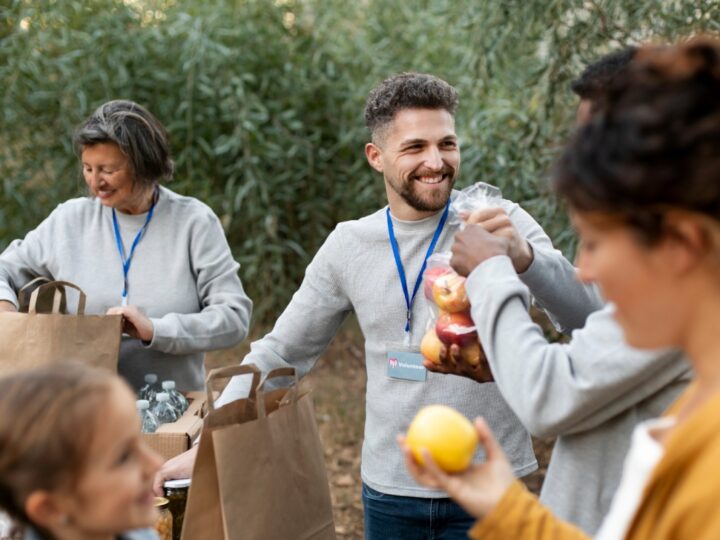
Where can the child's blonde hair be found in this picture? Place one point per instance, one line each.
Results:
(47, 420)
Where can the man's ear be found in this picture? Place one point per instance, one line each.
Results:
(373, 154)
(42, 508)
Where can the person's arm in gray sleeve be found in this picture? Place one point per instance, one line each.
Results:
(26, 259)
(554, 388)
(224, 318)
(306, 327)
(551, 277)
(556, 290)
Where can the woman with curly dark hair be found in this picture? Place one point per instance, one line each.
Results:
(642, 181)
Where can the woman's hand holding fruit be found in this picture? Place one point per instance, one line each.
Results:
(479, 488)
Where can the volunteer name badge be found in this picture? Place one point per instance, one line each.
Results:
(406, 365)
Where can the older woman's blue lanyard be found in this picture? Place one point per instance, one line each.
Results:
(127, 261)
(401, 271)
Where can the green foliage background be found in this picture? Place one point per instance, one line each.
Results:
(263, 100)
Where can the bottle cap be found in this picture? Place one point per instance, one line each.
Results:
(179, 483)
(162, 396)
(151, 378)
(168, 385)
(142, 404)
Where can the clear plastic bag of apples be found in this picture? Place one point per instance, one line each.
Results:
(451, 323)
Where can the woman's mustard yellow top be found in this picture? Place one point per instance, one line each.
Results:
(680, 502)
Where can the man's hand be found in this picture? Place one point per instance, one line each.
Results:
(7, 306)
(477, 248)
(180, 466)
(453, 363)
(135, 323)
(479, 488)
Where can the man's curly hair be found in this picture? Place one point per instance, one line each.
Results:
(406, 91)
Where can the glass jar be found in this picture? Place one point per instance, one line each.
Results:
(176, 491)
(164, 522)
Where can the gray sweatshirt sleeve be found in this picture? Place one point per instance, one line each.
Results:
(557, 291)
(305, 328)
(559, 389)
(224, 318)
(26, 259)
(551, 277)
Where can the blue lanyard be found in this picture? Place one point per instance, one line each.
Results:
(396, 253)
(127, 261)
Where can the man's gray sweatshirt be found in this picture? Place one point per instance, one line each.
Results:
(354, 270)
(589, 393)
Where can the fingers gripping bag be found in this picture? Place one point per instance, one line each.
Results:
(450, 322)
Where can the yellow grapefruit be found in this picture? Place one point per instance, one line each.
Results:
(448, 436)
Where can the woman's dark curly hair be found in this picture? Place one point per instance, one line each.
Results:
(654, 142)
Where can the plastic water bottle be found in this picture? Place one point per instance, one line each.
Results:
(163, 409)
(148, 420)
(177, 400)
(150, 389)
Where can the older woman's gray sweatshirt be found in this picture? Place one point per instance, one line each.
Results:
(182, 276)
(589, 393)
(354, 270)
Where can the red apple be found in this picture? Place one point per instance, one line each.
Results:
(456, 329)
(431, 346)
(429, 277)
(449, 293)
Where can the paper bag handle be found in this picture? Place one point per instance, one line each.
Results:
(57, 297)
(227, 373)
(290, 396)
(22, 293)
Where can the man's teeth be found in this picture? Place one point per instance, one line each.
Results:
(431, 179)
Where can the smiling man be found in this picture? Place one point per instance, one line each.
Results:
(417, 153)
(373, 267)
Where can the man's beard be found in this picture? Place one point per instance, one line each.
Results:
(429, 202)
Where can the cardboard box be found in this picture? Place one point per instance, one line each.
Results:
(173, 439)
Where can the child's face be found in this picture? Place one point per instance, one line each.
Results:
(115, 492)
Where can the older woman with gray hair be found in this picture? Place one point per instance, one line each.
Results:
(138, 249)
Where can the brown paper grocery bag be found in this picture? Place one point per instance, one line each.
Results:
(33, 339)
(260, 470)
(203, 512)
